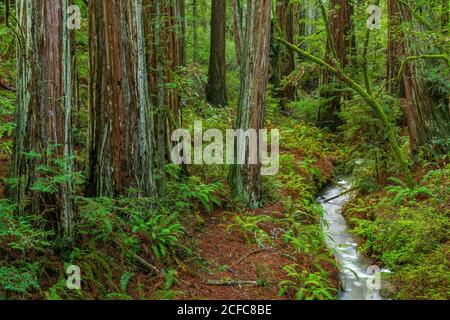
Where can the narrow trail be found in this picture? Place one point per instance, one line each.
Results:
(238, 270)
(231, 258)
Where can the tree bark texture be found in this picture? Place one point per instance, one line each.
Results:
(394, 48)
(121, 115)
(216, 91)
(246, 179)
(339, 45)
(283, 62)
(427, 114)
(43, 144)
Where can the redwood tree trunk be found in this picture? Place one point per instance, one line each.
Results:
(236, 9)
(341, 28)
(338, 48)
(195, 28)
(121, 116)
(394, 48)
(45, 100)
(428, 116)
(283, 62)
(165, 39)
(216, 92)
(246, 179)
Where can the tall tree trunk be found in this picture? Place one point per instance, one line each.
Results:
(236, 9)
(159, 84)
(165, 40)
(195, 28)
(394, 48)
(216, 91)
(283, 63)
(45, 99)
(338, 48)
(341, 29)
(246, 179)
(428, 116)
(181, 30)
(121, 116)
(445, 16)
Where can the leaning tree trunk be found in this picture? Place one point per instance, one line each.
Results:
(45, 99)
(216, 91)
(428, 116)
(246, 179)
(121, 116)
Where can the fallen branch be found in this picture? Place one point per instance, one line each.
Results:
(231, 283)
(256, 252)
(250, 254)
(147, 265)
(339, 195)
(6, 86)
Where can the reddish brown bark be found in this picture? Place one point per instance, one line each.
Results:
(246, 179)
(236, 10)
(427, 114)
(216, 91)
(394, 48)
(120, 150)
(339, 45)
(45, 100)
(341, 27)
(284, 62)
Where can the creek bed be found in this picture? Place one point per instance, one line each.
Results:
(358, 274)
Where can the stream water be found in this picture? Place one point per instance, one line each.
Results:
(360, 279)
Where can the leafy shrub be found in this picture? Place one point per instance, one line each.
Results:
(307, 286)
(16, 280)
(194, 190)
(407, 231)
(21, 232)
(128, 222)
(163, 230)
(250, 226)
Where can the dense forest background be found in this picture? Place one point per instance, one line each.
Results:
(356, 88)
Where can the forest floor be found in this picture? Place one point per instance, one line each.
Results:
(232, 258)
(241, 270)
(234, 262)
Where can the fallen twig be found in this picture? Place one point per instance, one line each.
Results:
(256, 252)
(6, 86)
(340, 195)
(250, 254)
(147, 265)
(231, 283)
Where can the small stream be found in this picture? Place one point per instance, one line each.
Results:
(358, 275)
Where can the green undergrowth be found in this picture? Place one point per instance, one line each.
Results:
(407, 232)
(118, 239)
(306, 165)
